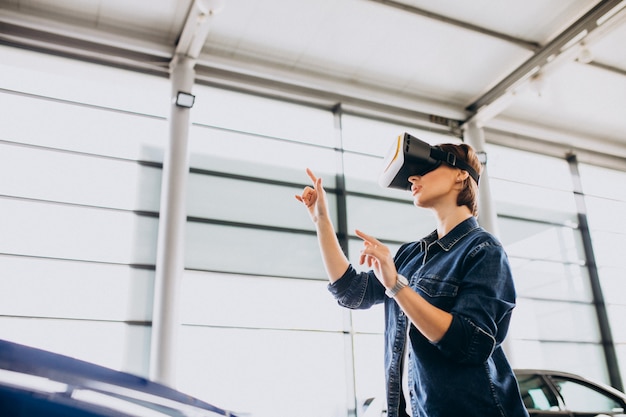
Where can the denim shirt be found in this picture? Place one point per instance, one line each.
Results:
(466, 373)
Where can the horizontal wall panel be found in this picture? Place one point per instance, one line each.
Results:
(271, 372)
(83, 82)
(375, 137)
(114, 345)
(74, 232)
(82, 129)
(541, 241)
(555, 321)
(602, 182)
(263, 116)
(532, 202)
(260, 157)
(519, 166)
(608, 248)
(40, 287)
(270, 302)
(616, 316)
(252, 251)
(234, 200)
(551, 280)
(602, 214)
(613, 284)
(45, 174)
(578, 358)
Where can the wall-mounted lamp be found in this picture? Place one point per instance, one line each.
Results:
(185, 100)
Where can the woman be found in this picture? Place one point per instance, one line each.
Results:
(448, 300)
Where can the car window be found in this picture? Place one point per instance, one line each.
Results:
(536, 394)
(582, 398)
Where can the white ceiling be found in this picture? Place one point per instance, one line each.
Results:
(447, 57)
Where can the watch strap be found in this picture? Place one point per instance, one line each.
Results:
(401, 282)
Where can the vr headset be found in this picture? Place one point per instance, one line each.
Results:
(411, 156)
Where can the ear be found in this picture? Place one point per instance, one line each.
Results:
(462, 176)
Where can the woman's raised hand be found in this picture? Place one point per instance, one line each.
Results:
(377, 256)
(314, 198)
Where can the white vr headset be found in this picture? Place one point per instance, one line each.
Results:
(411, 156)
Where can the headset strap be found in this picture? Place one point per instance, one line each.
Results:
(451, 159)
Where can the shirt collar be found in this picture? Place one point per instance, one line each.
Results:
(448, 241)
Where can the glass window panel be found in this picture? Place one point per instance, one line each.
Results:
(375, 137)
(82, 129)
(265, 373)
(606, 215)
(71, 232)
(261, 157)
(521, 166)
(277, 303)
(543, 241)
(613, 284)
(532, 202)
(608, 248)
(83, 82)
(620, 349)
(602, 182)
(361, 175)
(388, 219)
(54, 288)
(536, 354)
(71, 178)
(112, 344)
(263, 116)
(271, 205)
(551, 280)
(554, 321)
(369, 372)
(616, 318)
(251, 251)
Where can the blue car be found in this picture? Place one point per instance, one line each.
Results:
(34, 382)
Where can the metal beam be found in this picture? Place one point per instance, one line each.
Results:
(571, 36)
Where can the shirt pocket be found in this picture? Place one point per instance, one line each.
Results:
(434, 286)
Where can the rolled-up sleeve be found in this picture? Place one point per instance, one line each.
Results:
(357, 290)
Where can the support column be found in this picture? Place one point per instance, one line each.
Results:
(487, 216)
(172, 219)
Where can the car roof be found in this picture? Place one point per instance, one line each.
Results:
(570, 375)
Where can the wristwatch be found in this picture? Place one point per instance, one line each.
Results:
(400, 283)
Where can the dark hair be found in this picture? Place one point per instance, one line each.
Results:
(469, 194)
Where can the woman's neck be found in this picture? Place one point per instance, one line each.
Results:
(450, 218)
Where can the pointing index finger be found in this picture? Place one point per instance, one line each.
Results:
(369, 239)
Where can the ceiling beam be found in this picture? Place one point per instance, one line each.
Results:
(533, 46)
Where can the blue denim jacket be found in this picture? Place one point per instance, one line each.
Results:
(465, 373)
